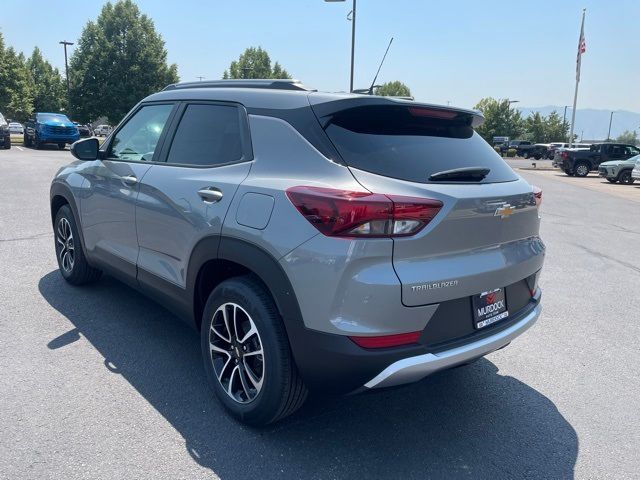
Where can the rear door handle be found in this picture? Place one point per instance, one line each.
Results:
(130, 179)
(210, 194)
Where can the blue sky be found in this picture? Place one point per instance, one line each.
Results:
(445, 51)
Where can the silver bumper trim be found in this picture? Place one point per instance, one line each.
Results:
(413, 369)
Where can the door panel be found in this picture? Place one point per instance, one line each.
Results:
(108, 207)
(172, 216)
(108, 212)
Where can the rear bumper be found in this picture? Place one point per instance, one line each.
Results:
(336, 365)
(415, 368)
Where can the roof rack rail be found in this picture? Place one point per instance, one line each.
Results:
(266, 83)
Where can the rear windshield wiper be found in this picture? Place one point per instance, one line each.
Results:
(464, 174)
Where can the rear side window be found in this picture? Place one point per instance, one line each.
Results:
(412, 143)
(208, 135)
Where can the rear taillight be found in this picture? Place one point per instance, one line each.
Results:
(386, 341)
(537, 194)
(343, 213)
(564, 155)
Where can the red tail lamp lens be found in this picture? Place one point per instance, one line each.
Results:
(344, 213)
(387, 341)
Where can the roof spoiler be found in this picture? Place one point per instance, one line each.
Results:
(327, 106)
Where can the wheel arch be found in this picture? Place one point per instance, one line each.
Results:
(61, 195)
(214, 259)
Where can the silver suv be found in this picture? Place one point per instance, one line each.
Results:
(319, 242)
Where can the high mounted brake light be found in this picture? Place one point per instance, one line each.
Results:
(344, 213)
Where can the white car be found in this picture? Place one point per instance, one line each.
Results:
(635, 173)
(16, 128)
(102, 130)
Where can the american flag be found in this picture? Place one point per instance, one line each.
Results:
(582, 47)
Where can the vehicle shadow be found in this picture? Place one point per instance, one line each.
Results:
(469, 422)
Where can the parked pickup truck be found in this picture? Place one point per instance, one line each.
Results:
(50, 128)
(578, 162)
(524, 148)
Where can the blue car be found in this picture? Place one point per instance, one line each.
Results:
(50, 128)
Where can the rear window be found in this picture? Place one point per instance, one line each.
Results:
(412, 143)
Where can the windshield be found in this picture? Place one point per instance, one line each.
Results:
(47, 117)
(412, 143)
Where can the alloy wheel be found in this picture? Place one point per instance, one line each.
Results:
(582, 170)
(65, 245)
(236, 352)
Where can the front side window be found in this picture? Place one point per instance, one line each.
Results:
(138, 138)
(208, 135)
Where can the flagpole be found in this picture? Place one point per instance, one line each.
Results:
(579, 61)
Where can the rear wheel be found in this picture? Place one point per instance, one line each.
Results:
(581, 169)
(246, 353)
(526, 155)
(72, 261)
(625, 178)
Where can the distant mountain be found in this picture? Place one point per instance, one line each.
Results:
(591, 123)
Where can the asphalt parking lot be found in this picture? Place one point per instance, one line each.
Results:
(100, 382)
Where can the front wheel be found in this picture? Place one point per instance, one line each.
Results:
(625, 178)
(72, 261)
(581, 169)
(246, 353)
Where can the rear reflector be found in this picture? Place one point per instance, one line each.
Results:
(344, 213)
(386, 341)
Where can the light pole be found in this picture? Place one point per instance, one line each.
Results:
(609, 133)
(564, 122)
(353, 37)
(509, 106)
(66, 68)
(200, 77)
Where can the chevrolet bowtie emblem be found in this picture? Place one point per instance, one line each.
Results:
(504, 211)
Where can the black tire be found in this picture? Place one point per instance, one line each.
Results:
(26, 141)
(581, 169)
(537, 157)
(625, 177)
(526, 155)
(61, 146)
(7, 144)
(80, 272)
(611, 180)
(282, 391)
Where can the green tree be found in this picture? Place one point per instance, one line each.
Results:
(628, 137)
(255, 63)
(555, 129)
(16, 96)
(49, 89)
(535, 128)
(500, 119)
(119, 60)
(393, 89)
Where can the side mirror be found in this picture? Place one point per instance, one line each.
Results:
(85, 149)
